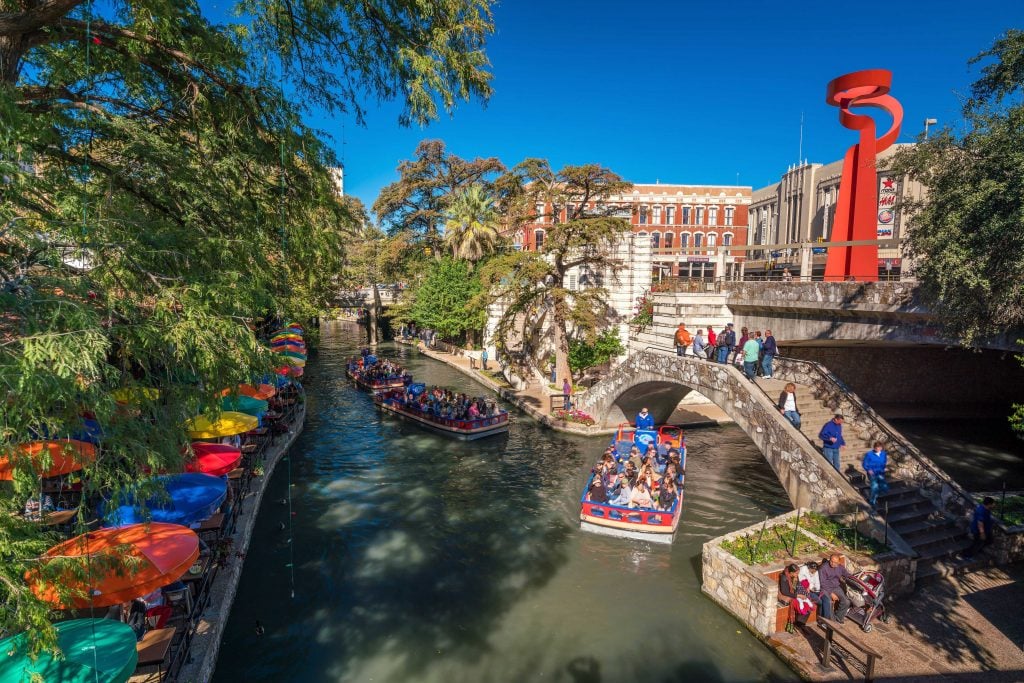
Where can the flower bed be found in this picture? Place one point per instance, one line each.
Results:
(839, 534)
(775, 545)
(577, 416)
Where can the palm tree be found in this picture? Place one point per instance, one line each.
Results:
(471, 228)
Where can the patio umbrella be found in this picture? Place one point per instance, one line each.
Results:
(286, 337)
(118, 564)
(290, 360)
(191, 498)
(291, 353)
(262, 391)
(135, 395)
(214, 458)
(228, 424)
(244, 404)
(290, 371)
(95, 650)
(50, 458)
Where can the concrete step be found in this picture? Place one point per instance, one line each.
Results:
(944, 550)
(922, 542)
(910, 531)
(940, 567)
(909, 516)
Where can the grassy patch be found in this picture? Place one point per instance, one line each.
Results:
(839, 534)
(1010, 511)
(775, 545)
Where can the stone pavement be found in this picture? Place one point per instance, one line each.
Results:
(962, 628)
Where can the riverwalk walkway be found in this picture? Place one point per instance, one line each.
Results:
(535, 397)
(953, 628)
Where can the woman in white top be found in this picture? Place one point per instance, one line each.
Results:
(787, 405)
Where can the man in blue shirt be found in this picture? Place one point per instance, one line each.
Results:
(831, 436)
(644, 420)
(874, 464)
(771, 348)
(981, 526)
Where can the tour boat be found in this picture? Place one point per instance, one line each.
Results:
(394, 402)
(657, 526)
(356, 372)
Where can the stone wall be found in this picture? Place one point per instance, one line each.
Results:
(804, 473)
(745, 592)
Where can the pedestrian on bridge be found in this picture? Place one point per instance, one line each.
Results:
(726, 341)
(874, 464)
(832, 440)
(698, 344)
(682, 339)
(787, 405)
(771, 349)
(751, 354)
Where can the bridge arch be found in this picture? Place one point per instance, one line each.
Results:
(654, 379)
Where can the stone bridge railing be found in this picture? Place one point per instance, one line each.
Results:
(804, 473)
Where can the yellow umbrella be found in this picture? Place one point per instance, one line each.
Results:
(229, 424)
(136, 395)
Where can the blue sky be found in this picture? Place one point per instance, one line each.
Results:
(688, 92)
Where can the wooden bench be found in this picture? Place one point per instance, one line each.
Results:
(153, 648)
(832, 630)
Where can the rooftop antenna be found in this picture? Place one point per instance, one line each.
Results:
(800, 153)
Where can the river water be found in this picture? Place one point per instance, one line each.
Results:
(419, 558)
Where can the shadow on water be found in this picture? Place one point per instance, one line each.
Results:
(418, 558)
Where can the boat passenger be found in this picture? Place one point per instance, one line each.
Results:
(597, 492)
(473, 411)
(667, 495)
(644, 420)
(631, 473)
(624, 493)
(641, 497)
(634, 457)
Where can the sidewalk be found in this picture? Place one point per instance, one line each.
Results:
(535, 398)
(963, 628)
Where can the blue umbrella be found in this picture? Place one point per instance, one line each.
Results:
(191, 498)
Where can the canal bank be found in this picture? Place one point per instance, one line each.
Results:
(418, 558)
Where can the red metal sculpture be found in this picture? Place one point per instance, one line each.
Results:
(857, 206)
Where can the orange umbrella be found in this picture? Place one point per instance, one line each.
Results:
(118, 564)
(261, 392)
(51, 458)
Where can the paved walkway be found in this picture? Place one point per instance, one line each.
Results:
(535, 398)
(965, 628)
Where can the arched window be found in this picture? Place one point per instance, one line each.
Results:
(727, 239)
(538, 239)
(684, 240)
(712, 238)
(669, 239)
(655, 240)
(698, 239)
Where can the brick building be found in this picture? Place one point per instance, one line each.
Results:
(685, 223)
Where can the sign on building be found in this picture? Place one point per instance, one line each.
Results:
(888, 190)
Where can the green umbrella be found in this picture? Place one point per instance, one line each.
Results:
(95, 651)
(244, 404)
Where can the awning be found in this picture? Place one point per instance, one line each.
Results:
(214, 458)
(94, 650)
(261, 392)
(117, 565)
(229, 424)
(190, 498)
(49, 458)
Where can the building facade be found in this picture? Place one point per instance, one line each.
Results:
(801, 208)
(686, 224)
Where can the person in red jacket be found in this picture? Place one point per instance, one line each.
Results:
(712, 338)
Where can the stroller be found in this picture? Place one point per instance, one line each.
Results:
(866, 590)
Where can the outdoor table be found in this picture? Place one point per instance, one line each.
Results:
(58, 517)
(188, 577)
(153, 649)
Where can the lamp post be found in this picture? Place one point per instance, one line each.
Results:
(928, 122)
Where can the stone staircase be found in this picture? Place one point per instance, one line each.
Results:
(934, 535)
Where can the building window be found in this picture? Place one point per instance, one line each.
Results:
(700, 215)
(643, 215)
(668, 240)
(569, 210)
(727, 239)
(712, 238)
(713, 215)
(686, 215)
(670, 215)
(729, 211)
(684, 240)
(698, 239)
(540, 214)
(655, 240)
(538, 239)
(573, 282)
(657, 215)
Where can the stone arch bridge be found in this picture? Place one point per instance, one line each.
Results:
(659, 380)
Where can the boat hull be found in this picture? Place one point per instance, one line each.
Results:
(463, 434)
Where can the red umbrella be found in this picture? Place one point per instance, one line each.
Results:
(116, 565)
(214, 458)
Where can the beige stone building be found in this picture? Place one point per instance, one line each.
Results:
(801, 208)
